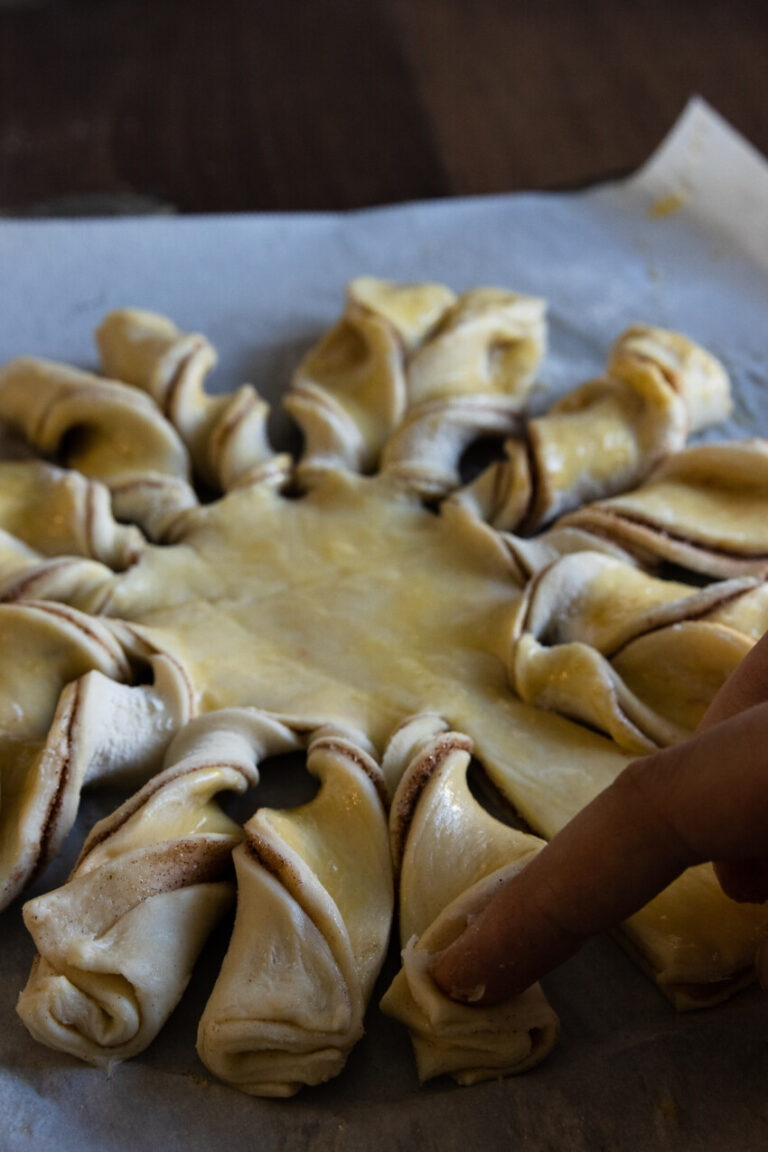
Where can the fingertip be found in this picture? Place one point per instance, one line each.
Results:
(747, 686)
(449, 971)
(474, 970)
(745, 881)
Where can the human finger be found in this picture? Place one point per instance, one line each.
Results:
(745, 881)
(702, 800)
(747, 686)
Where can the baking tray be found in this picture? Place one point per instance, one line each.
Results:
(684, 244)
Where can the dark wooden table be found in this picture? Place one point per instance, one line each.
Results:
(299, 104)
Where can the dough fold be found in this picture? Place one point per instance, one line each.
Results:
(704, 510)
(452, 855)
(607, 435)
(59, 539)
(103, 429)
(410, 375)
(117, 942)
(314, 907)
(226, 435)
(27, 575)
(637, 657)
(53, 660)
(60, 513)
(102, 731)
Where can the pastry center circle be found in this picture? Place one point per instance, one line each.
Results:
(353, 601)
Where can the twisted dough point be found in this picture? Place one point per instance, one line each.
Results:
(607, 435)
(101, 730)
(636, 657)
(404, 363)
(26, 575)
(226, 435)
(350, 391)
(59, 539)
(452, 857)
(704, 509)
(530, 554)
(61, 513)
(45, 647)
(103, 429)
(312, 924)
(118, 941)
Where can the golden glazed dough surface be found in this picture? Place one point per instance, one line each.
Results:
(351, 599)
(357, 602)
(344, 588)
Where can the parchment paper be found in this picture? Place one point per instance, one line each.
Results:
(683, 244)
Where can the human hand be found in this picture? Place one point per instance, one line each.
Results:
(706, 799)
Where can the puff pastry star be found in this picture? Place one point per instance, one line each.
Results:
(181, 600)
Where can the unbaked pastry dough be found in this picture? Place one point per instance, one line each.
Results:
(607, 435)
(329, 588)
(704, 510)
(635, 656)
(57, 511)
(411, 375)
(104, 429)
(451, 856)
(116, 944)
(59, 539)
(314, 907)
(226, 435)
(67, 721)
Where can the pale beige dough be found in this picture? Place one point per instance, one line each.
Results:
(313, 916)
(318, 591)
(451, 856)
(117, 942)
